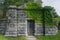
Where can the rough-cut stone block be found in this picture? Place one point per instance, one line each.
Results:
(48, 30)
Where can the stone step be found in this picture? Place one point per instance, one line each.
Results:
(31, 38)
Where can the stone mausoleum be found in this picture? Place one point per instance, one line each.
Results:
(17, 23)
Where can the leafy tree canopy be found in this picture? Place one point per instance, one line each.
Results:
(33, 11)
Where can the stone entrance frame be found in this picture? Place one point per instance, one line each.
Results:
(30, 27)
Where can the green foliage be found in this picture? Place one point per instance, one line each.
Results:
(14, 2)
(39, 2)
(58, 19)
(48, 15)
(32, 5)
(33, 11)
(19, 2)
(4, 5)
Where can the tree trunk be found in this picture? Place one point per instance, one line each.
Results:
(43, 23)
(59, 25)
(43, 28)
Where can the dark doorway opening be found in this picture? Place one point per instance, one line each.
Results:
(30, 27)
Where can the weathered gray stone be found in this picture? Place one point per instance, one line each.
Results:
(17, 22)
(3, 25)
(48, 30)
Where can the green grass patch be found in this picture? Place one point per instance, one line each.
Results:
(51, 37)
(2, 37)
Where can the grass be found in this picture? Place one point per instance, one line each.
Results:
(2, 37)
(51, 37)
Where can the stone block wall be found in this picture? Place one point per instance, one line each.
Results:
(2, 26)
(48, 30)
(38, 29)
(51, 30)
(17, 21)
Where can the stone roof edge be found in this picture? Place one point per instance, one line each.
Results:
(17, 7)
